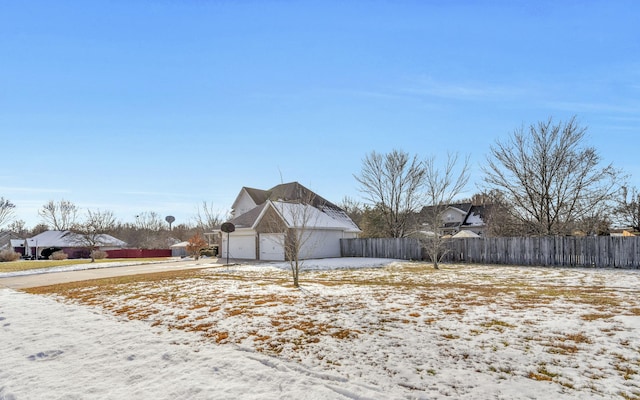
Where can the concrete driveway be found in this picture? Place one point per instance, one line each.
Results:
(52, 278)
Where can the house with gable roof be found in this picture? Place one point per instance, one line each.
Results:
(48, 242)
(10, 240)
(265, 220)
(460, 217)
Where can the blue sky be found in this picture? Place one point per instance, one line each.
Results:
(137, 106)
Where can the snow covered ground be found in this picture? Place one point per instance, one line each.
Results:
(357, 329)
(79, 267)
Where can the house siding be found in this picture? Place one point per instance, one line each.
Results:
(321, 244)
(243, 204)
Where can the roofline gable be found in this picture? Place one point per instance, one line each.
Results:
(269, 204)
(248, 192)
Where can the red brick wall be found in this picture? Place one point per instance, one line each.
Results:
(139, 253)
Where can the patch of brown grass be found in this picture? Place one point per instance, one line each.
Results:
(562, 348)
(539, 377)
(630, 396)
(450, 336)
(26, 265)
(113, 285)
(577, 337)
(454, 310)
(497, 325)
(542, 374)
(596, 316)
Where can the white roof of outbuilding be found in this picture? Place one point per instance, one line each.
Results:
(18, 243)
(70, 239)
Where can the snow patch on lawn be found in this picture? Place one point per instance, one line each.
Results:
(357, 329)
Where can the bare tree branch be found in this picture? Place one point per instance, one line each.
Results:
(549, 179)
(393, 183)
(207, 218)
(60, 216)
(291, 223)
(628, 208)
(442, 186)
(92, 232)
(6, 211)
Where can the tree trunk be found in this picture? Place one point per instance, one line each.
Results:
(296, 272)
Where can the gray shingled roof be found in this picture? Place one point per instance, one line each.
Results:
(295, 191)
(292, 192)
(259, 196)
(247, 219)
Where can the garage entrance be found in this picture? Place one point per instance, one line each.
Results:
(272, 246)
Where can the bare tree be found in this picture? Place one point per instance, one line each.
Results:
(6, 211)
(393, 182)
(549, 178)
(19, 227)
(290, 223)
(628, 209)
(499, 219)
(150, 230)
(38, 229)
(183, 232)
(60, 216)
(150, 221)
(91, 233)
(207, 218)
(442, 186)
(298, 239)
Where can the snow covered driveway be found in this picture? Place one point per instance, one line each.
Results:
(357, 329)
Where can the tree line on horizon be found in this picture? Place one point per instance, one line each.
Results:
(541, 180)
(149, 230)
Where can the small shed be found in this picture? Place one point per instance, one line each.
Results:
(179, 249)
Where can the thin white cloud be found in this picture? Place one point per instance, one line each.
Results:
(463, 90)
(581, 107)
(430, 88)
(165, 194)
(18, 189)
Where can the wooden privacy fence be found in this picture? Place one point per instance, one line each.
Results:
(592, 251)
(402, 248)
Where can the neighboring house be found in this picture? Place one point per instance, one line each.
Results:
(265, 219)
(460, 217)
(45, 243)
(10, 240)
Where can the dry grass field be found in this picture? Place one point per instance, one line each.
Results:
(460, 332)
(26, 265)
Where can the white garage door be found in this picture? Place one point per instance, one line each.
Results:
(271, 246)
(243, 247)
